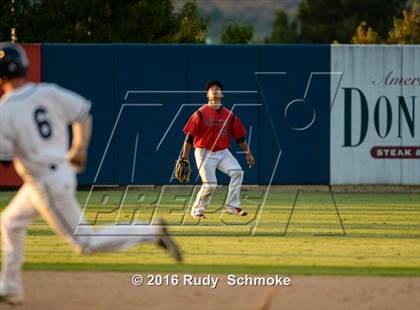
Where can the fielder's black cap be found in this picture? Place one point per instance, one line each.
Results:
(213, 83)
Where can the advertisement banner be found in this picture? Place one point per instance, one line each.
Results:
(375, 116)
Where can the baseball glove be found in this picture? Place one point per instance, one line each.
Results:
(182, 170)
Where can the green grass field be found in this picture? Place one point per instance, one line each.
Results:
(381, 234)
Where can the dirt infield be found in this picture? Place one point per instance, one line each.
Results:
(112, 290)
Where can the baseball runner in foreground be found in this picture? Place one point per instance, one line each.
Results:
(34, 119)
(210, 129)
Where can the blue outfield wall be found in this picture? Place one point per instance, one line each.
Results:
(142, 95)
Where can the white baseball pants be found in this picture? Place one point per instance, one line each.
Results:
(53, 197)
(207, 163)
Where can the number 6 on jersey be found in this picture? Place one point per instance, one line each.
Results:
(44, 126)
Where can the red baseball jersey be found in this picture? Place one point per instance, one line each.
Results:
(212, 129)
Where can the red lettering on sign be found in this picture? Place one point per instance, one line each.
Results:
(391, 152)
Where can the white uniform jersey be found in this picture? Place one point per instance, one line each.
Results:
(34, 123)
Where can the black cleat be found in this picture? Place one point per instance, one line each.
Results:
(13, 300)
(165, 241)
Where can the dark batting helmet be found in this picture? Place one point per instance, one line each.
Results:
(13, 61)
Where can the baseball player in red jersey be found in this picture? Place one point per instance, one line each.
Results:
(210, 129)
